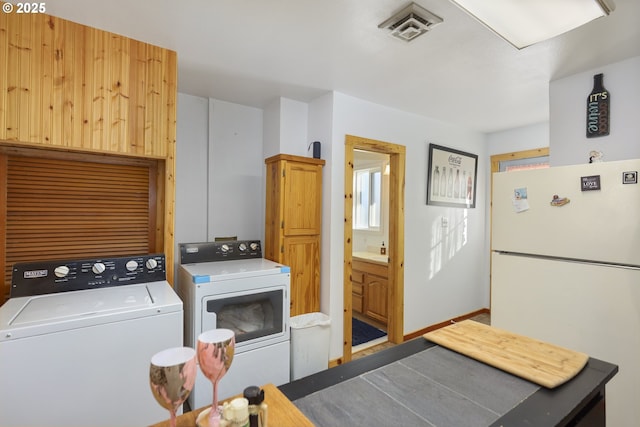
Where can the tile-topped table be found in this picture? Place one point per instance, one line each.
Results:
(418, 383)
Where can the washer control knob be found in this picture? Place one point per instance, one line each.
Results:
(254, 246)
(242, 247)
(98, 268)
(224, 248)
(132, 265)
(61, 271)
(151, 263)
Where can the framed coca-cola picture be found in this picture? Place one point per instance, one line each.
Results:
(451, 179)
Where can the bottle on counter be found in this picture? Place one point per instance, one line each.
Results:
(257, 406)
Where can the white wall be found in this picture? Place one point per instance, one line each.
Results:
(445, 268)
(271, 129)
(518, 139)
(565, 134)
(286, 128)
(191, 171)
(568, 98)
(236, 174)
(294, 116)
(219, 171)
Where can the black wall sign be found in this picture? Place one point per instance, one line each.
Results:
(589, 183)
(598, 109)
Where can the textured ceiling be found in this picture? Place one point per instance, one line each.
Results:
(251, 52)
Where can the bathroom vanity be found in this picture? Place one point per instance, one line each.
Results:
(370, 291)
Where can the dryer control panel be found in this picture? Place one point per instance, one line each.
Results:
(227, 250)
(48, 277)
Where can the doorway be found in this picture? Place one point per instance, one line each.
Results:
(394, 297)
(370, 231)
(519, 160)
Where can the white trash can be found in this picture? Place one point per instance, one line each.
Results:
(310, 335)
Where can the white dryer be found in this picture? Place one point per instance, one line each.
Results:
(229, 285)
(76, 339)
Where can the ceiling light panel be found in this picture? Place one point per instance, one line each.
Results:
(526, 22)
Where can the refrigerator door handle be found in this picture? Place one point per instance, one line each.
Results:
(564, 259)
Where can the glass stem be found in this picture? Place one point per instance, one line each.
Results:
(214, 415)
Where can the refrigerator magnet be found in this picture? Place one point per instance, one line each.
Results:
(520, 202)
(590, 183)
(559, 201)
(630, 177)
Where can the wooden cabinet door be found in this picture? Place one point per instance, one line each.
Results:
(357, 290)
(376, 300)
(301, 253)
(302, 201)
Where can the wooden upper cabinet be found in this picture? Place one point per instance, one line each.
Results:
(303, 201)
(70, 86)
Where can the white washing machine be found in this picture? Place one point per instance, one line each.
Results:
(229, 285)
(76, 339)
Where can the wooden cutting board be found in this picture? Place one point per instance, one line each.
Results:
(542, 363)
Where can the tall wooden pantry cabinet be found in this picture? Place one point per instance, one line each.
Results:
(293, 224)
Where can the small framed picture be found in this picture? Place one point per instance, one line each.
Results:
(630, 177)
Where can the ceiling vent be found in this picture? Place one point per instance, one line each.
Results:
(410, 22)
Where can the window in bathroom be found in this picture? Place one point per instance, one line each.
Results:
(368, 198)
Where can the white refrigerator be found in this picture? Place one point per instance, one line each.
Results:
(565, 266)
